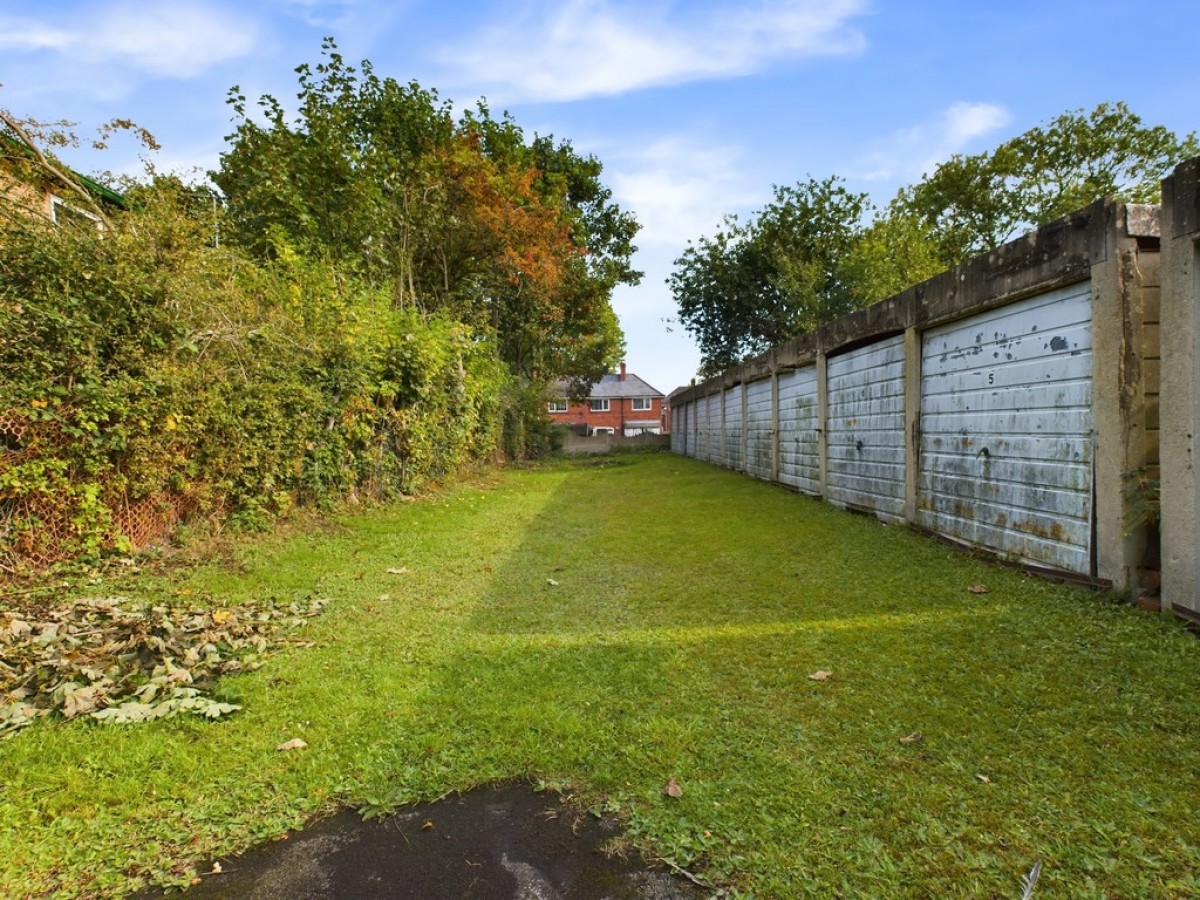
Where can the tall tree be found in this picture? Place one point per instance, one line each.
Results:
(973, 204)
(458, 217)
(752, 285)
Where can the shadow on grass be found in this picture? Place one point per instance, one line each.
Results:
(632, 637)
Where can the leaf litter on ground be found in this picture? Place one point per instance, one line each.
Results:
(119, 661)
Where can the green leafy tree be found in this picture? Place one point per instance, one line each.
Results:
(891, 254)
(752, 285)
(973, 204)
(464, 218)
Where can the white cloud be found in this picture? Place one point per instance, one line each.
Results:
(568, 50)
(177, 40)
(354, 23)
(911, 152)
(680, 188)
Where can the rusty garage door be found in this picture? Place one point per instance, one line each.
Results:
(866, 428)
(1006, 430)
(799, 465)
(760, 437)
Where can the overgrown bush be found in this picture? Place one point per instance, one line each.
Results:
(147, 371)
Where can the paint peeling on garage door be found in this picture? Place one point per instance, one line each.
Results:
(866, 428)
(759, 436)
(799, 465)
(1006, 430)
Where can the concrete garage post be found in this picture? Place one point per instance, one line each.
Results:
(1179, 397)
(1118, 390)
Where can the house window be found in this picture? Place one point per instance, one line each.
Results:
(65, 214)
(642, 404)
(602, 430)
(557, 406)
(598, 405)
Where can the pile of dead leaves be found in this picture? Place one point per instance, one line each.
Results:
(119, 661)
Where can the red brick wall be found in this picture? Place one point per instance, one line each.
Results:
(620, 410)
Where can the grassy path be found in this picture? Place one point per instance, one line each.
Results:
(607, 626)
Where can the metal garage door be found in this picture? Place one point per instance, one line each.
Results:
(679, 429)
(866, 428)
(1006, 430)
(799, 465)
(732, 455)
(759, 436)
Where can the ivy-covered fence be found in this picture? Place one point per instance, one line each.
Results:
(149, 375)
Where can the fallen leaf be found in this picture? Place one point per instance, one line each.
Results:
(17, 628)
(92, 647)
(672, 788)
(427, 825)
(821, 675)
(293, 744)
(400, 570)
(915, 738)
(978, 589)
(551, 582)
(984, 779)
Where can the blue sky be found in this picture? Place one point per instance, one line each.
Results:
(696, 109)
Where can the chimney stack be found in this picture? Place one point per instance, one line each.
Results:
(622, 371)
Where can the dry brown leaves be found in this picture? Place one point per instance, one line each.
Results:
(118, 661)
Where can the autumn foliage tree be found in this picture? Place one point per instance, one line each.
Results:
(377, 294)
(462, 217)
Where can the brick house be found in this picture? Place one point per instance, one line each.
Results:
(620, 404)
(30, 188)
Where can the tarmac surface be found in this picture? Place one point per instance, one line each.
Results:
(497, 843)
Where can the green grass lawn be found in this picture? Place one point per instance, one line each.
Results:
(689, 607)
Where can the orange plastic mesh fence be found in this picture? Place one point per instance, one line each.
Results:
(38, 530)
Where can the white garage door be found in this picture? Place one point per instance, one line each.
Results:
(759, 436)
(679, 429)
(799, 465)
(866, 428)
(732, 455)
(1006, 430)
